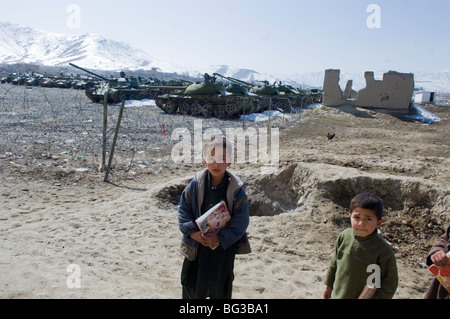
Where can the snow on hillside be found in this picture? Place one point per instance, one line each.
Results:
(22, 44)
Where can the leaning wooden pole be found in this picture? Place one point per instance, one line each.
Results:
(269, 126)
(116, 133)
(243, 116)
(105, 125)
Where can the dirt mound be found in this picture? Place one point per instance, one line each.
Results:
(419, 206)
(416, 210)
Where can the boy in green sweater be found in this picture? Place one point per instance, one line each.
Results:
(362, 257)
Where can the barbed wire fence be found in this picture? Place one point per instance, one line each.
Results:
(64, 126)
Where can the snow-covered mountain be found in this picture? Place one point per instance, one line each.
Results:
(22, 44)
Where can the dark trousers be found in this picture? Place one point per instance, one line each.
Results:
(210, 274)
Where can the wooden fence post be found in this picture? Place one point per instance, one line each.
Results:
(116, 133)
(105, 124)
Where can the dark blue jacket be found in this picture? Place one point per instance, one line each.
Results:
(190, 209)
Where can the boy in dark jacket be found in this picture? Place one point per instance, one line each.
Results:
(207, 272)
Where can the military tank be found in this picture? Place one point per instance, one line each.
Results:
(123, 88)
(282, 97)
(299, 98)
(270, 96)
(8, 78)
(211, 98)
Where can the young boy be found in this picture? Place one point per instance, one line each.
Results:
(361, 256)
(207, 272)
(438, 256)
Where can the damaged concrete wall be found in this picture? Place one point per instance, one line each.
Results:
(332, 93)
(349, 93)
(394, 92)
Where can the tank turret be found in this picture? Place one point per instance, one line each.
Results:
(270, 95)
(236, 86)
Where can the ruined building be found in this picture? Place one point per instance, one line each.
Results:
(394, 92)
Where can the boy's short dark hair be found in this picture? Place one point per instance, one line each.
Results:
(368, 201)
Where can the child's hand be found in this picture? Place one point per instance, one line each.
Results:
(211, 239)
(198, 236)
(440, 259)
(327, 293)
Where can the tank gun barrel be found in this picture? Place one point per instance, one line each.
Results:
(187, 81)
(234, 80)
(169, 87)
(87, 71)
(265, 82)
(33, 71)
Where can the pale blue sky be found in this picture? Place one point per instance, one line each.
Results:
(283, 36)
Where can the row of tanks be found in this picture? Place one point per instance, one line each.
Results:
(34, 78)
(228, 98)
(237, 97)
(95, 85)
(207, 98)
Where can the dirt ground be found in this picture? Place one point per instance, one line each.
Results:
(121, 239)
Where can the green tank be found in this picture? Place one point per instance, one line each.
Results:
(210, 98)
(128, 88)
(264, 89)
(282, 97)
(299, 98)
(269, 96)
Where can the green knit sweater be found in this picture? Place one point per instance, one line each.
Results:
(348, 270)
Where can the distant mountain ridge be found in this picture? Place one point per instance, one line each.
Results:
(22, 44)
